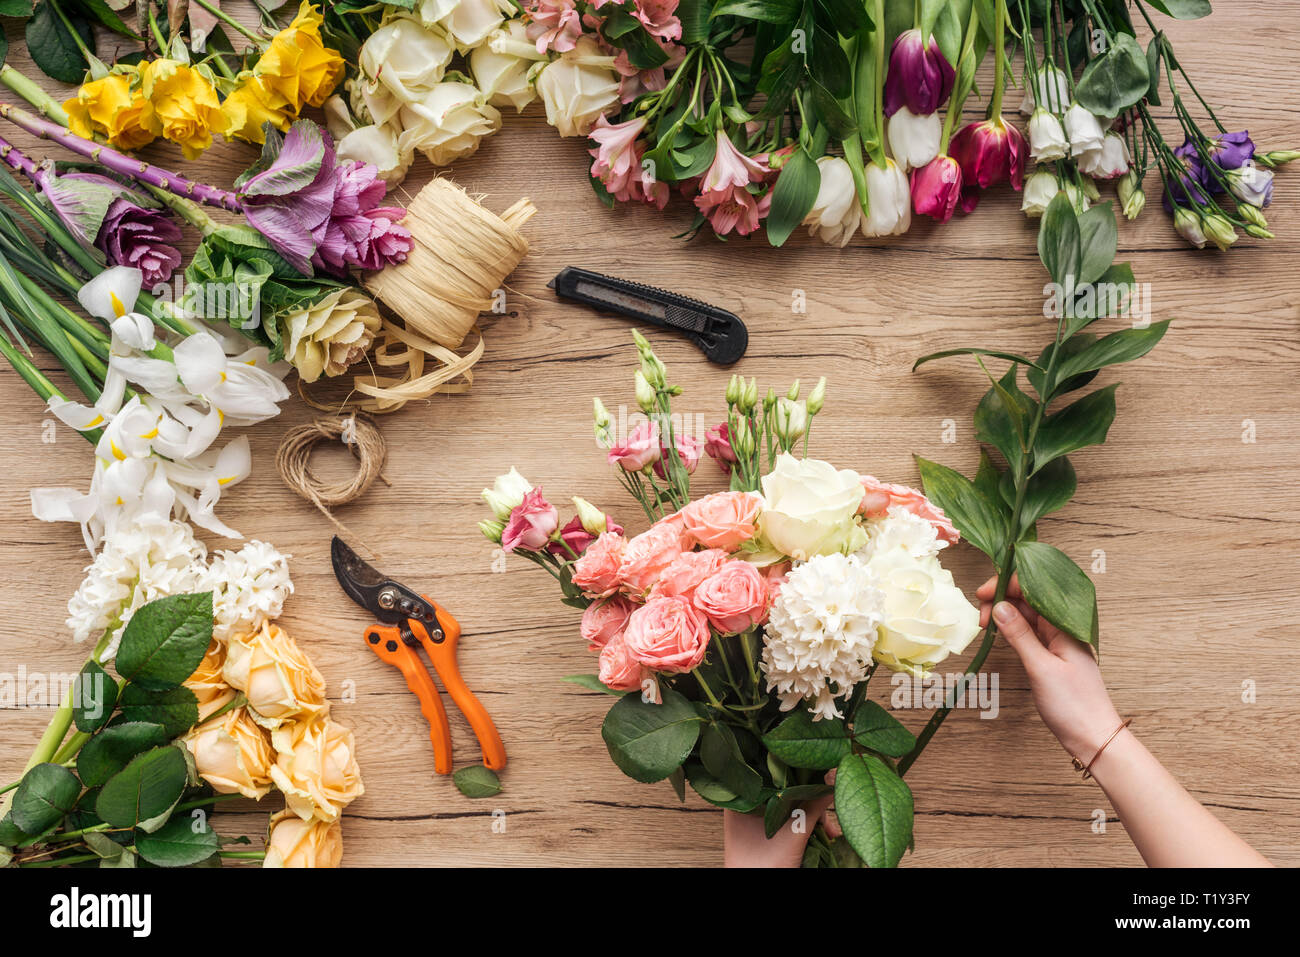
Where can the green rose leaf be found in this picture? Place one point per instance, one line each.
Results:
(165, 641)
(591, 683)
(477, 781)
(1116, 80)
(1077, 426)
(112, 749)
(801, 742)
(877, 729)
(874, 807)
(721, 756)
(1058, 589)
(147, 788)
(181, 842)
(17, 8)
(53, 46)
(176, 710)
(649, 741)
(1182, 9)
(94, 697)
(718, 794)
(1059, 241)
(977, 518)
(793, 196)
(782, 805)
(47, 793)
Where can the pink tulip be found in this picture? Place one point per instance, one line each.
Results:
(919, 77)
(989, 153)
(936, 188)
(531, 524)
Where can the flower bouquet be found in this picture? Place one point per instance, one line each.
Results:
(742, 628)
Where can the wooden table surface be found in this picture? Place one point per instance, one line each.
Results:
(1198, 528)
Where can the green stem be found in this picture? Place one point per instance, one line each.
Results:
(33, 94)
(230, 21)
(86, 55)
(63, 861)
(1000, 56)
(157, 31)
(243, 855)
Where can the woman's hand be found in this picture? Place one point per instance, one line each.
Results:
(746, 844)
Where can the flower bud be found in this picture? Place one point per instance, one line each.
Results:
(650, 364)
(769, 400)
(592, 518)
(646, 396)
(1089, 188)
(794, 391)
(734, 389)
(751, 396)
(1257, 231)
(1188, 225)
(1281, 157)
(506, 494)
(1131, 197)
(492, 531)
(601, 414)
(742, 442)
(791, 419)
(1218, 230)
(817, 398)
(1252, 215)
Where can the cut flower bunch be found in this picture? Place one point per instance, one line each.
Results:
(742, 628)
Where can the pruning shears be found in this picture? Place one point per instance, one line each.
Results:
(408, 621)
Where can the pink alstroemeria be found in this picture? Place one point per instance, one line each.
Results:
(725, 198)
(988, 153)
(936, 188)
(619, 163)
(532, 523)
(553, 24)
(920, 76)
(659, 17)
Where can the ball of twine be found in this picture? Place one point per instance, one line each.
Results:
(359, 434)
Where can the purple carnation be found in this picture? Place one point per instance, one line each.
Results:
(144, 238)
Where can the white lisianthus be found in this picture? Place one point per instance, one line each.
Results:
(901, 529)
(810, 508)
(926, 617)
(1049, 90)
(1040, 189)
(914, 140)
(1083, 130)
(1110, 161)
(401, 63)
(835, 215)
(578, 87)
(1252, 184)
(501, 66)
(448, 124)
(1047, 140)
(248, 586)
(889, 201)
(1190, 227)
(821, 632)
(468, 22)
(506, 494)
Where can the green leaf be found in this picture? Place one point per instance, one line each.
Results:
(1049, 489)
(53, 46)
(1122, 346)
(1182, 9)
(17, 8)
(1077, 426)
(1009, 356)
(1068, 348)
(648, 741)
(109, 751)
(149, 786)
(877, 729)
(694, 16)
(829, 64)
(767, 11)
(105, 14)
(94, 696)
(165, 640)
(1155, 52)
(780, 806)
(103, 845)
(181, 842)
(874, 807)
(1000, 418)
(801, 742)
(793, 196)
(176, 710)
(592, 683)
(1116, 80)
(1059, 242)
(1057, 589)
(721, 756)
(47, 793)
(977, 518)
(1098, 240)
(477, 781)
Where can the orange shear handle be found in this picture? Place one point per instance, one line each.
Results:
(386, 641)
(443, 655)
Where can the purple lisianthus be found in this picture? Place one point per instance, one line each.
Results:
(1233, 150)
(920, 76)
(1191, 188)
(144, 238)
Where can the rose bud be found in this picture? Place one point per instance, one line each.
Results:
(989, 153)
(919, 77)
(936, 188)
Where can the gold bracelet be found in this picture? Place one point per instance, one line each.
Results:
(1087, 768)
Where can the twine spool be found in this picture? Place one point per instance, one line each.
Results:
(359, 434)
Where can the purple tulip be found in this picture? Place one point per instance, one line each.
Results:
(919, 78)
(144, 238)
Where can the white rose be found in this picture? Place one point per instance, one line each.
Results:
(889, 201)
(468, 22)
(835, 215)
(577, 88)
(810, 508)
(926, 616)
(401, 63)
(914, 139)
(500, 66)
(1047, 140)
(377, 145)
(1040, 189)
(448, 124)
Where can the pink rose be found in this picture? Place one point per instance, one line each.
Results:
(668, 635)
(640, 450)
(722, 520)
(603, 621)
(878, 497)
(596, 572)
(717, 446)
(619, 671)
(575, 539)
(689, 449)
(531, 523)
(734, 598)
(647, 555)
(681, 578)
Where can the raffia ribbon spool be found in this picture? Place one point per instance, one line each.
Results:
(462, 255)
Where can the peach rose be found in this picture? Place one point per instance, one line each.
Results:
(648, 555)
(280, 681)
(878, 497)
(208, 685)
(232, 754)
(316, 768)
(668, 635)
(687, 570)
(293, 842)
(596, 572)
(619, 671)
(722, 520)
(734, 599)
(605, 620)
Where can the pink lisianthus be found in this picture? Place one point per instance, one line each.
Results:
(879, 497)
(553, 24)
(689, 450)
(604, 621)
(619, 671)
(668, 635)
(723, 520)
(575, 538)
(531, 524)
(647, 556)
(717, 446)
(734, 598)
(639, 450)
(683, 576)
(936, 188)
(596, 572)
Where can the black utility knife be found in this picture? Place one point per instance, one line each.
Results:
(721, 335)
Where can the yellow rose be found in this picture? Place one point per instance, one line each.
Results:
(185, 106)
(297, 66)
(280, 682)
(114, 107)
(207, 683)
(232, 754)
(293, 842)
(316, 768)
(250, 106)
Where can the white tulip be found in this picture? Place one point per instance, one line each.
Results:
(836, 215)
(468, 22)
(578, 87)
(1047, 140)
(1040, 189)
(889, 201)
(500, 66)
(448, 124)
(914, 140)
(1083, 130)
(1048, 89)
(1110, 161)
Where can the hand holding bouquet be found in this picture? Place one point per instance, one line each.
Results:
(743, 627)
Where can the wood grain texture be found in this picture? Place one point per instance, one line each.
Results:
(1199, 529)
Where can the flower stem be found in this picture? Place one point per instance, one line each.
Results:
(33, 94)
(230, 21)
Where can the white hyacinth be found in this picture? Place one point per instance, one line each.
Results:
(821, 632)
(901, 529)
(248, 586)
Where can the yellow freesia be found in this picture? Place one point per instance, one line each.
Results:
(297, 66)
(185, 106)
(250, 106)
(114, 107)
